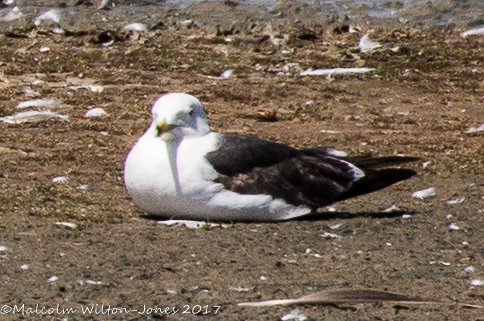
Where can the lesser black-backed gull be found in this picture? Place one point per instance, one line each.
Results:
(179, 169)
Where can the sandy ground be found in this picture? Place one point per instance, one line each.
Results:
(424, 95)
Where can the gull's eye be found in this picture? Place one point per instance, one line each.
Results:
(190, 113)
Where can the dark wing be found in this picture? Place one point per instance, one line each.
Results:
(240, 154)
(377, 175)
(311, 177)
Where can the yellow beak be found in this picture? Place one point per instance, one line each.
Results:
(162, 127)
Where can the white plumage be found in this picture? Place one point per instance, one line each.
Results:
(168, 174)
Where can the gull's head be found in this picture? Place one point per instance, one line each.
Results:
(177, 116)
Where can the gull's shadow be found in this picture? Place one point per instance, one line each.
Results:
(318, 216)
(323, 216)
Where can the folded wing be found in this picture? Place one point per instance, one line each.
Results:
(312, 177)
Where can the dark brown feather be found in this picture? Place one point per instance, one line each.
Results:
(312, 177)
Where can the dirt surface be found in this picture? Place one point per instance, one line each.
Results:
(425, 93)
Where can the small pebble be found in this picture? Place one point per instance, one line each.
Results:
(469, 269)
(476, 282)
(52, 279)
(454, 227)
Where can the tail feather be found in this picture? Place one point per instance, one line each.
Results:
(376, 179)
